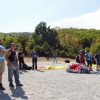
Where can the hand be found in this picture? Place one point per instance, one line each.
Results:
(11, 64)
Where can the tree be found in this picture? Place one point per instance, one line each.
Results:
(95, 48)
(7, 41)
(22, 40)
(44, 34)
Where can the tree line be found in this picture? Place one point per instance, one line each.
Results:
(67, 42)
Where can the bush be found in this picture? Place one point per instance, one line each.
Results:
(95, 48)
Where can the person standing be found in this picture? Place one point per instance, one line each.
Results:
(97, 56)
(34, 59)
(82, 57)
(93, 58)
(55, 57)
(88, 59)
(2, 64)
(12, 63)
(21, 59)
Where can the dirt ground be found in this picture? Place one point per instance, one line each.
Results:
(40, 59)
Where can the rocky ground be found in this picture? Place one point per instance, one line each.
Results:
(53, 84)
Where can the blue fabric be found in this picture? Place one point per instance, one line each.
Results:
(34, 55)
(12, 72)
(88, 57)
(2, 56)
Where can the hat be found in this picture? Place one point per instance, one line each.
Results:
(81, 50)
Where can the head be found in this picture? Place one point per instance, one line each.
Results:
(21, 50)
(98, 52)
(13, 46)
(81, 51)
(34, 51)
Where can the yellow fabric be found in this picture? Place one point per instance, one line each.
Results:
(51, 67)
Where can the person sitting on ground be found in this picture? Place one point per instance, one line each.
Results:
(80, 68)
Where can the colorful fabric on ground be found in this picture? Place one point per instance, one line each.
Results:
(51, 67)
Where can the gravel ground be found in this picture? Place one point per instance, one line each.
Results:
(53, 84)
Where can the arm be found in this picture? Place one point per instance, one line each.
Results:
(3, 51)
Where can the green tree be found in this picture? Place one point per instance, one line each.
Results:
(95, 48)
(22, 40)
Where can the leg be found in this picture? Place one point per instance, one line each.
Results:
(56, 60)
(23, 64)
(2, 67)
(1, 87)
(0, 77)
(88, 63)
(19, 65)
(10, 73)
(91, 64)
(97, 68)
(33, 63)
(36, 64)
(16, 74)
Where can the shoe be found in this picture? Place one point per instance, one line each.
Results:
(19, 84)
(1, 87)
(11, 85)
(97, 69)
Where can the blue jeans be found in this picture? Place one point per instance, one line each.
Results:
(12, 72)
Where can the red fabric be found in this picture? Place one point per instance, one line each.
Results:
(75, 67)
(90, 69)
(82, 58)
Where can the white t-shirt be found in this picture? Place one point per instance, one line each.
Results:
(17, 54)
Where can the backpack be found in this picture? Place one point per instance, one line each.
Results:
(27, 67)
(77, 59)
(67, 61)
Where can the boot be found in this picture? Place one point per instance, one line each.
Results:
(1, 87)
(11, 85)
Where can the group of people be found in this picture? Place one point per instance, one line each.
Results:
(12, 63)
(49, 55)
(87, 59)
(12, 56)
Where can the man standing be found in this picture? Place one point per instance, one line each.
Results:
(2, 64)
(34, 59)
(21, 59)
(97, 56)
(88, 59)
(55, 57)
(12, 63)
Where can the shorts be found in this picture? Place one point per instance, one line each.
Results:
(2, 66)
(98, 62)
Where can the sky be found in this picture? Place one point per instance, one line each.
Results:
(25, 15)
